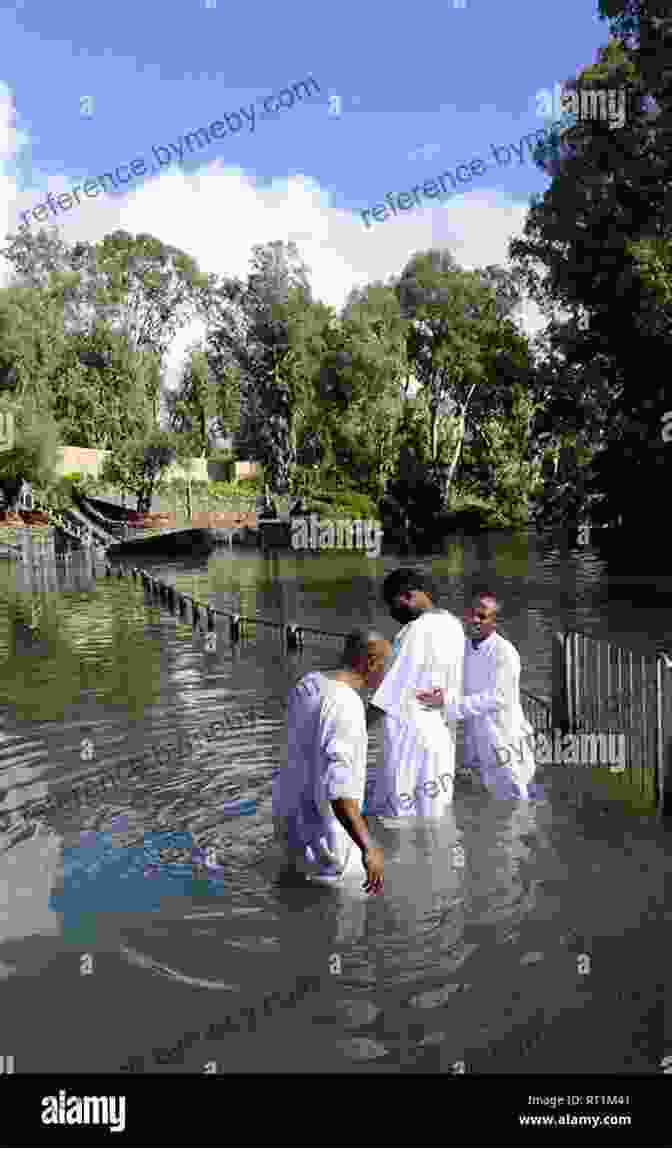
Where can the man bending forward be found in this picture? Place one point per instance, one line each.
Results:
(318, 795)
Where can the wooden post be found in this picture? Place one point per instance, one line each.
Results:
(663, 737)
(561, 673)
(294, 637)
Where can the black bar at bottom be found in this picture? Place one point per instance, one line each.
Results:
(362, 1107)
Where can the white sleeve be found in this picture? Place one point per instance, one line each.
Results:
(488, 701)
(343, 731)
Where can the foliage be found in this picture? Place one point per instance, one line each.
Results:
(192, 408)
(222, 462)
(422, 396)
(137, 466)
(458, 326)
(413, 503)
(597, 246)
(346, 504)
(262, 341)
(35, 454)
(103, 392)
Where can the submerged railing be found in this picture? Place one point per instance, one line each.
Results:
(597, 687)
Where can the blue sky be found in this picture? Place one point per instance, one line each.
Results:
(449, 81)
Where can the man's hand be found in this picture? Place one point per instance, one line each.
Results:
(374, 864)
(431, 698)
(348, 813)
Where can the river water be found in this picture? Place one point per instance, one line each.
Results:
(512, 938)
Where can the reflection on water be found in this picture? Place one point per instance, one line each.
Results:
(472, 954)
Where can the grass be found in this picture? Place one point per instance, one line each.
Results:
(635, 788)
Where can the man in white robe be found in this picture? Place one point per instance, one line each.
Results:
(318, 794)
(417, 774)
(497, 740)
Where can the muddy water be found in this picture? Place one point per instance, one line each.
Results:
(520, 938)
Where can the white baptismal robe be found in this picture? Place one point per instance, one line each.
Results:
(326, 759)
(416, 777)
(497, 738)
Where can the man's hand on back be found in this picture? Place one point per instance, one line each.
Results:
(430, 698)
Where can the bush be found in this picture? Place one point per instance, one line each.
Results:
(255, 484)
(85, 483)
(236, 491)
(351, 504)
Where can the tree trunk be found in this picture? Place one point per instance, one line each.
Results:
(462, 423)
(434, 431)
(456, 456)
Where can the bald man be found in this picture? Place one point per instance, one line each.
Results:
(496, 733)
(318, 795)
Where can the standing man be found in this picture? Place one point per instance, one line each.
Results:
(318, 795)
(496, 733)
(419, 747)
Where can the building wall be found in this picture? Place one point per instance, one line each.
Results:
(88, 461)
(246, 470)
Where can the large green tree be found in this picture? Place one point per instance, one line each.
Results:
(456, 325)
(136, 286)
(594, 255)
(269, 329)
(361, 386)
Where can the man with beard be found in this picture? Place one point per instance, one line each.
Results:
(496, 732)
(419, 747)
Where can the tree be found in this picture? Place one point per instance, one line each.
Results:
(269, 329)
(102, 392)
(455, 317)
(35, 454)
(193, 406)
(137, 465)
(412, 505)
(595, 247)
(32, 343)
(135, 285)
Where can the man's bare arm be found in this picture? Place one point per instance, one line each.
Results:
(348, 814)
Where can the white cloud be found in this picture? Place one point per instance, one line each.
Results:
(220, 212)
